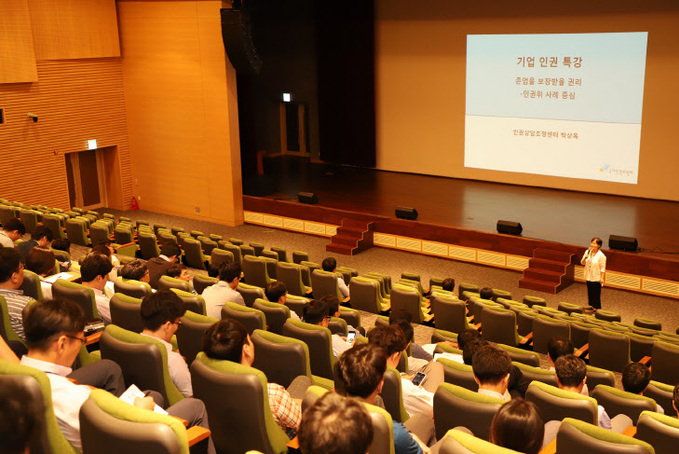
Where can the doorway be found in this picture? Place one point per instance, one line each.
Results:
(86, 179)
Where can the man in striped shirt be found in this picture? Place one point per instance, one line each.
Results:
(11, 278)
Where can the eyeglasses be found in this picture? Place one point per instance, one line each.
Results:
(178, 322)
(81, 339)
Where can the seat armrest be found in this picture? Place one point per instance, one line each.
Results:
(196, 434)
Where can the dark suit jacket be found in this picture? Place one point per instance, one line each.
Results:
(25, 247)
(157, 268)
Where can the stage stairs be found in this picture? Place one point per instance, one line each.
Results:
(548, 271)
(353, 236)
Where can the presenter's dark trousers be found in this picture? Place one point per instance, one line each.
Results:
(594, 294)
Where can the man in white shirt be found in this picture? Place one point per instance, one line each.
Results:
(224, 291)
(491, 367)
(12, 231)
(161, 314)
(94, 271)
(316, 312)
(416, 399)
(595, 268)
(11, 278)
(330, 264)
(54, 333)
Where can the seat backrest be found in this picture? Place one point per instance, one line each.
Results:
(53, 222)
(207, 244)
(31, 285)
(194, 254)
(639, 346)
(580, 332)
(190, 334)
(201, 282)
(109, 425)
(318, 339)
(660, 431)
(456, 406)
(351, 316)
(450, 312)
(537, 373)
(299, 256)
(276, 314)
(290, 274)
(123, 233)
(249, 293)
(296, 304)
(167, 283)
(555, 403)
(521, 356)
(365, 294)
(281, 358)
(662, 394)
(458, 374)
(148, 245)
(544, 328)
(98, 233)
(581, 437)
(407, 299)
(255, 271)
(598, 376)
(82, 295)
(383, 431)
(392, 395)
(130, 287)
(235, 250)
(142, 359)
(219, 256)
(50, 439)
(237, 404)
(665, 362)
(458, 442)
(499, 325)
(75, 231)
(609, 350)
(617, 401)
(192, 302)
(125, 312)
(325, 283)
(251, 318)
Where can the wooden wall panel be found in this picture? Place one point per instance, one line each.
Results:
(181, 97)
(75, 101)
(17, 58)
(70, 29)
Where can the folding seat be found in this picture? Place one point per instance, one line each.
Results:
(250, 293)
(576, 437)
(662, 393)
(639, 346)
(347, 273)
(609, 350)
(130, 287)
(544, 328)
(247, 250)
(458, 374)
(521, 356)
(476, 306)
(75, 231)
(194, 254)
(597, 376)
(647, 323)
(456, 406)
(270, 266)
(410, 300)
(125, 312)
(143, 360)
(282, 253)
(269, 254)
(190, 334)
(437, 336)
(338, 326)
(325, 283)
(167, 283)
(555, 403)
(497, 293)
(250, 317)
(524, 321)
(413, 284)
(533, 373)
(458, 442)
(255, 271)
(499, 326)
(82, 295)
(365, 295)
(284, 358)
(466, 287)
(109, 425)
(351, 316)
(29, 218)
(123, 233)
(312, 267)
(207, 244)
(276, 314)
(99, 233)
(384, 280)
(569, 308)
(617, 401)
(235, 251)
(411, 276)
(507, 303)
(318, 339)
(531, 301)
(176, 230)
(296, 304)
(580, 333)
(435, 282)
(660, 431)
(392, 396)
(258, 248)
(290, 274)
(194, 303)
(6, 213)
(299, 257)
(608, 316)
(164, 237)
(201, 282)
(54, 223)
(665, 363)
(219, 256)
(31, 285)
(148, 245)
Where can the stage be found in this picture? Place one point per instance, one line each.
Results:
(465, 212)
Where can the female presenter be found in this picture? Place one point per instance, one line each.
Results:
(595, 267)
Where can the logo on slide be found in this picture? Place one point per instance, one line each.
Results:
(604, 168)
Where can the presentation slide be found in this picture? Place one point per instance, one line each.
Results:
(566, 105)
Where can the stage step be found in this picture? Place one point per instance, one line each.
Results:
(548, 271)
(352, 237)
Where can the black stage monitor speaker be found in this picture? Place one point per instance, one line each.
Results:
(237, 38)
(509, 227)
(624, 243)
(307, 197)
(406, 213)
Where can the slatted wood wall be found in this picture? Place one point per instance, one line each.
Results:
(17, 57)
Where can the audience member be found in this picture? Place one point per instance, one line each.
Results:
(334, 425)
(359, 373)
(54, 333)
(401, 317)
(558, 347)
(135, 270)
(178, 271)
(571, 374)
(229, 340)
(42, 236)
(635, 379)
(334, 310)
(416, 399)
(276, 292)
(106, 247)
(675, 399)
(94, 271)
(20, 415)
(448, 284)
(161, 314)
(224, 291)
(11, 231)
(169, 253)
(317, 312)
(11, 278)
(330, 264)
(491, 367)
(62, 244)
(518, 383)
(518, 425)
(486, 293)
(42, 262)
